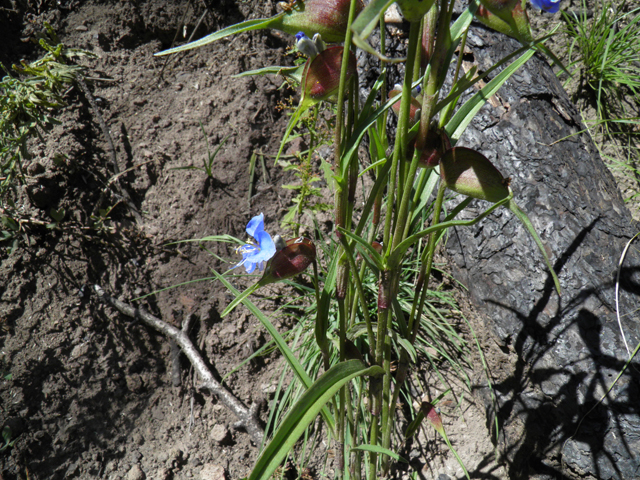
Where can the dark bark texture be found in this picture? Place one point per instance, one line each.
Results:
(560, 354)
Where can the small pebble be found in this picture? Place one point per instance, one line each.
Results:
(220, 434)
(212, 472)
(135, 473)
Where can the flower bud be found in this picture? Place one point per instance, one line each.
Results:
(432, 415)
(377, 246)
(435, 145)
(310, 47)
(506, 16)
(321, 76)
(415, 106)
(293, 259)
(329, 18)
(470, 173)
(414, 10)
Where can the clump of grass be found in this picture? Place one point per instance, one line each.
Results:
(28, 99)
(30, 94)
(607, 55)
(208, 162)
(604, 51)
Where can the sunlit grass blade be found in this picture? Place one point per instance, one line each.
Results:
(304, 412)
(291, 359)
(292, 73)
(461, 119)
(225, 32)
(380, 450)
(517, 211)
(366, 22)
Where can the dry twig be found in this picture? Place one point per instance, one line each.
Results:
(248, 416)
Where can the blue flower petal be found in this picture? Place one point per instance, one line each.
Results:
(551, 6)
(255, 225)
(256, 255)
(267, 246)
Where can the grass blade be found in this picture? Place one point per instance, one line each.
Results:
(282, 345)
(304, 412)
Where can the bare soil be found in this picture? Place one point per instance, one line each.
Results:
(92, 392)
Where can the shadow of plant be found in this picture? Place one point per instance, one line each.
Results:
(556, 357)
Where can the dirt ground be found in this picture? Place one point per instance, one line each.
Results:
(92, 392)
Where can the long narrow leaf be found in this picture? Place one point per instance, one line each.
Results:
(465, 114)
(403, 246)
(368, 248)
(304, 412)
(381, 450)
(282, 345)
(293, 73)
(366, 22)
(247, 26)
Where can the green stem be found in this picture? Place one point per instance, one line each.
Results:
(422, 181)
(343, 83)
(341, 195)
(357, 460)
(376, 389)
(422, 288)
(351, 439)
(382, 122)
(387, 280)
(403, 126)
(342, 312)
(431, 247)
(359, 289)
(432, 82)
(387, 407)
(321, 324)
(398, 234)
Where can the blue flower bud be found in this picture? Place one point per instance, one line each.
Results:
(310, 48)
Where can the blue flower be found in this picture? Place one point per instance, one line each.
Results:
(551, 6)
(257, 252)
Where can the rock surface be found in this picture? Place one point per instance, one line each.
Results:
(560, 354)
